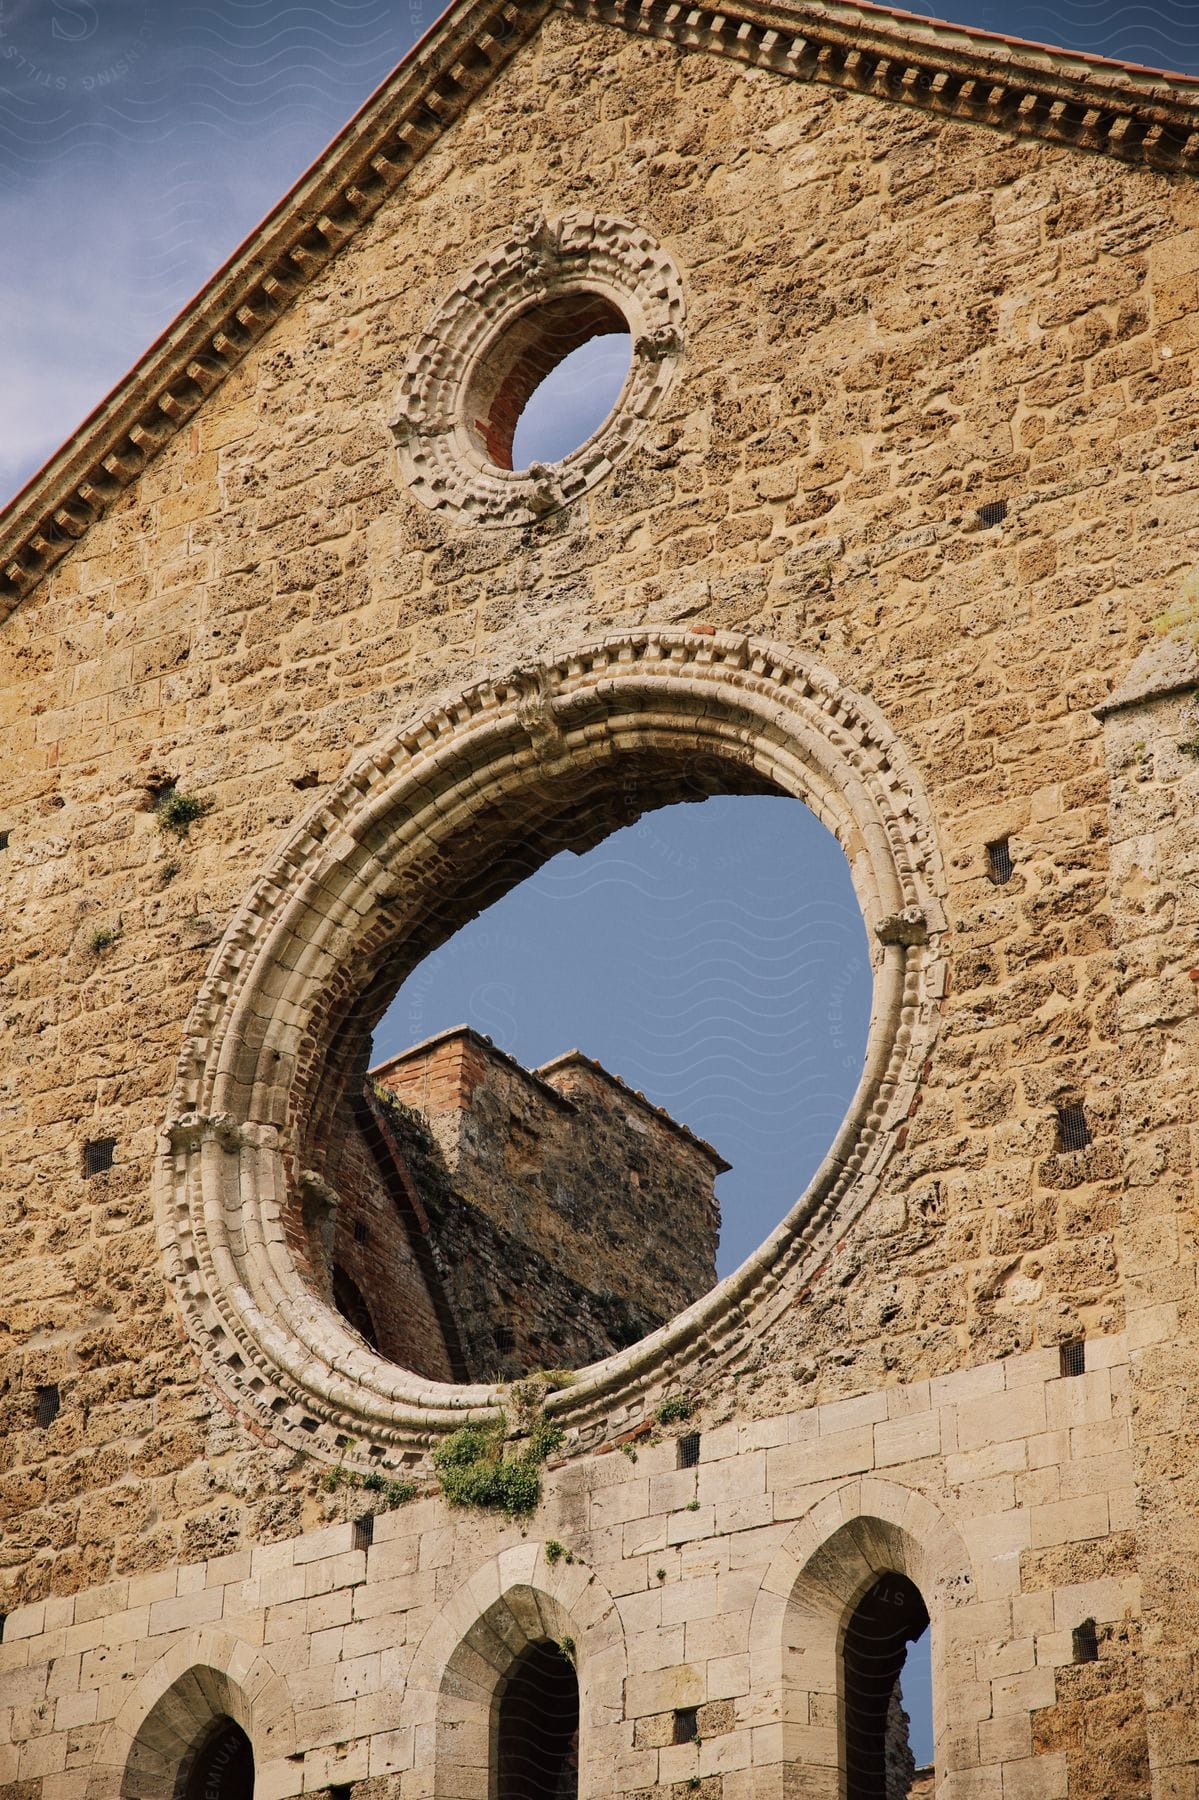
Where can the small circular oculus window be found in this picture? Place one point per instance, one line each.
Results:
(540, 370)
(573, 398)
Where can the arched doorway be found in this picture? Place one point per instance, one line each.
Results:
(194, 1742)
(889, 1616)
(537, 1731)
(222, 1767)
(544, 1660)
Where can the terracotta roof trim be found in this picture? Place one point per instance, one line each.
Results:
(1091, 103)
(489, 1049)
(1140, 116)
(946, 30)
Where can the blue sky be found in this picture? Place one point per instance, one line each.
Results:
(712, 955)
(140, 140)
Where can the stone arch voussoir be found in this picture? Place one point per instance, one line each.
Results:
(833, 1555)
(516, 1599)
(203, 1677)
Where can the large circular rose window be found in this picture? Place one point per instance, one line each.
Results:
(424, 828)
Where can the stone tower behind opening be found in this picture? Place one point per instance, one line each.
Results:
(499, 1220)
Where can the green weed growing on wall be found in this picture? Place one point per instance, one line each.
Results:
(176, 812)
(391, 1493)
(480, 1466)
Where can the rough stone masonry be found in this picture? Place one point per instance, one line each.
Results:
(897, 514)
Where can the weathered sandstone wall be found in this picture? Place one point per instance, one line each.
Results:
(893, 319)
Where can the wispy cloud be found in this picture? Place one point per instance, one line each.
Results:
(139, 143)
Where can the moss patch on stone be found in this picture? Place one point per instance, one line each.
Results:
(176, 812)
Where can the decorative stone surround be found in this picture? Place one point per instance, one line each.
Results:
(1138, 115)
(347, 889)
(441, 456)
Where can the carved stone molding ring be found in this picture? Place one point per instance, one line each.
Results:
(343, 912)
(555, 284)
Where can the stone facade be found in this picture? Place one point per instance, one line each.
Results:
(732, 1606)
(373, 1253)
(916, 483)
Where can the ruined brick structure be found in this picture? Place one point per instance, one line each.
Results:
(555, 1217)
(896, 515)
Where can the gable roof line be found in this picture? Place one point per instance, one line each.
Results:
(861, 17)
(344, 187)
(1141, 116)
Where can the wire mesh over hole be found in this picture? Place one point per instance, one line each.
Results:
(98, 1156)
(536, 347)
(1000, 867)
(688, 1450)
(1073, 1127)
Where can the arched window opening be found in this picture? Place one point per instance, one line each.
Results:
(350, 1303)
(222, 1767)
(537, 1748)
(879, 1760)
(194, 1742)
(442, 819)
(916, 1699)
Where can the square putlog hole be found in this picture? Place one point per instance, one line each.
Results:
(98, 1156)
